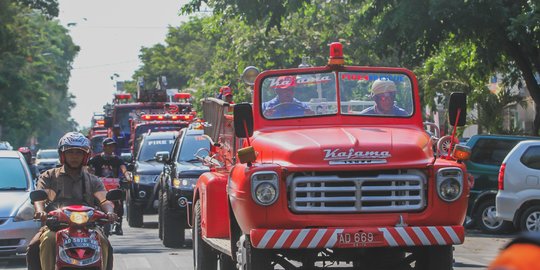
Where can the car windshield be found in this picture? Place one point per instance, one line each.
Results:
(13, 176)
(360, 93)
(47, 154)
(149, 148)
(190, 145)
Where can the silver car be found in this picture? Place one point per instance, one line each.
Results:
(518, 198)
(47, 159)
(17, 226)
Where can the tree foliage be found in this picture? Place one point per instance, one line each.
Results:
(36, 54)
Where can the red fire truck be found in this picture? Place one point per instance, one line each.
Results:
(156, 123)
(149, 102)
(294, 185)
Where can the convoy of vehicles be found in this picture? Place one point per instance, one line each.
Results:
(488, 153)
(177, 181)
(334, 186)
(142, 194)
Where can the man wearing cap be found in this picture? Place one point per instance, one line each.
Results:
(285, 104)
(121, 139)
(109, 165)
(383, 93)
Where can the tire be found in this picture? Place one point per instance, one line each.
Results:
(174, 225)
(487, 222)
(529, 220)
(204, 257)
(250, 258)
(435, 257)
(160, 215)
(134, 214)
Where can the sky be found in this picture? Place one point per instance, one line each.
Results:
(110, 34)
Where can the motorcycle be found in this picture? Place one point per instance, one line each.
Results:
(112, 183)
(77, 241)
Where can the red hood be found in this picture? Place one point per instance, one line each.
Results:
(346, 146)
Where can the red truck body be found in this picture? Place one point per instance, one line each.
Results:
(360, 185)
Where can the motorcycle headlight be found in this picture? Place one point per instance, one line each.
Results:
(449, 184)
(25, 212)
(78, 217)
(185, 183)
(265, 187)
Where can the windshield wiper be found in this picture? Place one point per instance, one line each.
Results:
(193, 160)
(12, 188)
(152, 159)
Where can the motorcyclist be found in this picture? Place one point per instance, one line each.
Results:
(27, 154)
(66, 185)
(110, 165)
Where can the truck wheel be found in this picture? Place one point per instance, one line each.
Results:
(250, 258)
(530, 219)
(204, 258)
(435, 257)
(160, 215)
(486, 220)
(134, 214)
(174, 225)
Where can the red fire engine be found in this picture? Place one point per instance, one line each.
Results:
(301, 176)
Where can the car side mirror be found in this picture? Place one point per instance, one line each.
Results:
(162, 156)
(458, 103)
(243, 120)
(38, 195)
(114, 195)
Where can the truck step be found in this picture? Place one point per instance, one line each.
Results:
(223, 245)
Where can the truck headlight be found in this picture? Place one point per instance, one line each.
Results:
(449, 184)
(265, 187)
(186, 183)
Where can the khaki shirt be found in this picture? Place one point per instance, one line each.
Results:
(69, 189)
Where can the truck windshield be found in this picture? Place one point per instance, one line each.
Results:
(151, 147)
(360, 93)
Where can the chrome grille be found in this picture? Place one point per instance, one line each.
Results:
(379, 193)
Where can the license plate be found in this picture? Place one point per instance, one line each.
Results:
(359, 239)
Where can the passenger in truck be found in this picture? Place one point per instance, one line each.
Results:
(285, 104)
(383, 93)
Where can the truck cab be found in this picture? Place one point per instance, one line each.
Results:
(301, 175)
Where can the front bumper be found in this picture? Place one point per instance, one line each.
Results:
(181, 193)
(142, 194)
(15, 236)
(357, 237)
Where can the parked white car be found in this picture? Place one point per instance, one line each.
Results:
(518, 198)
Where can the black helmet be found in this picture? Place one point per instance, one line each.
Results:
(108, 141)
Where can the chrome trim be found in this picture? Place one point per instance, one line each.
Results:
(381, 193)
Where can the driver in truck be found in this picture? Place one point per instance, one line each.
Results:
(383, 93)
(285, 104)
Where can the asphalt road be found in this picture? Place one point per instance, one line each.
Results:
(141, 249)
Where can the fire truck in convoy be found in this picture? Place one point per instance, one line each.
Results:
(97, 133)
(151, 104)
(289, 183)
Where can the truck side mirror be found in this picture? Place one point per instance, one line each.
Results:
(162, 156)
(243, 120)
(114, 195)
(458, 102)
(108, 122)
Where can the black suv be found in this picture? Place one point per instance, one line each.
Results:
(146, 170)
(179, 177)
(487, 154)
